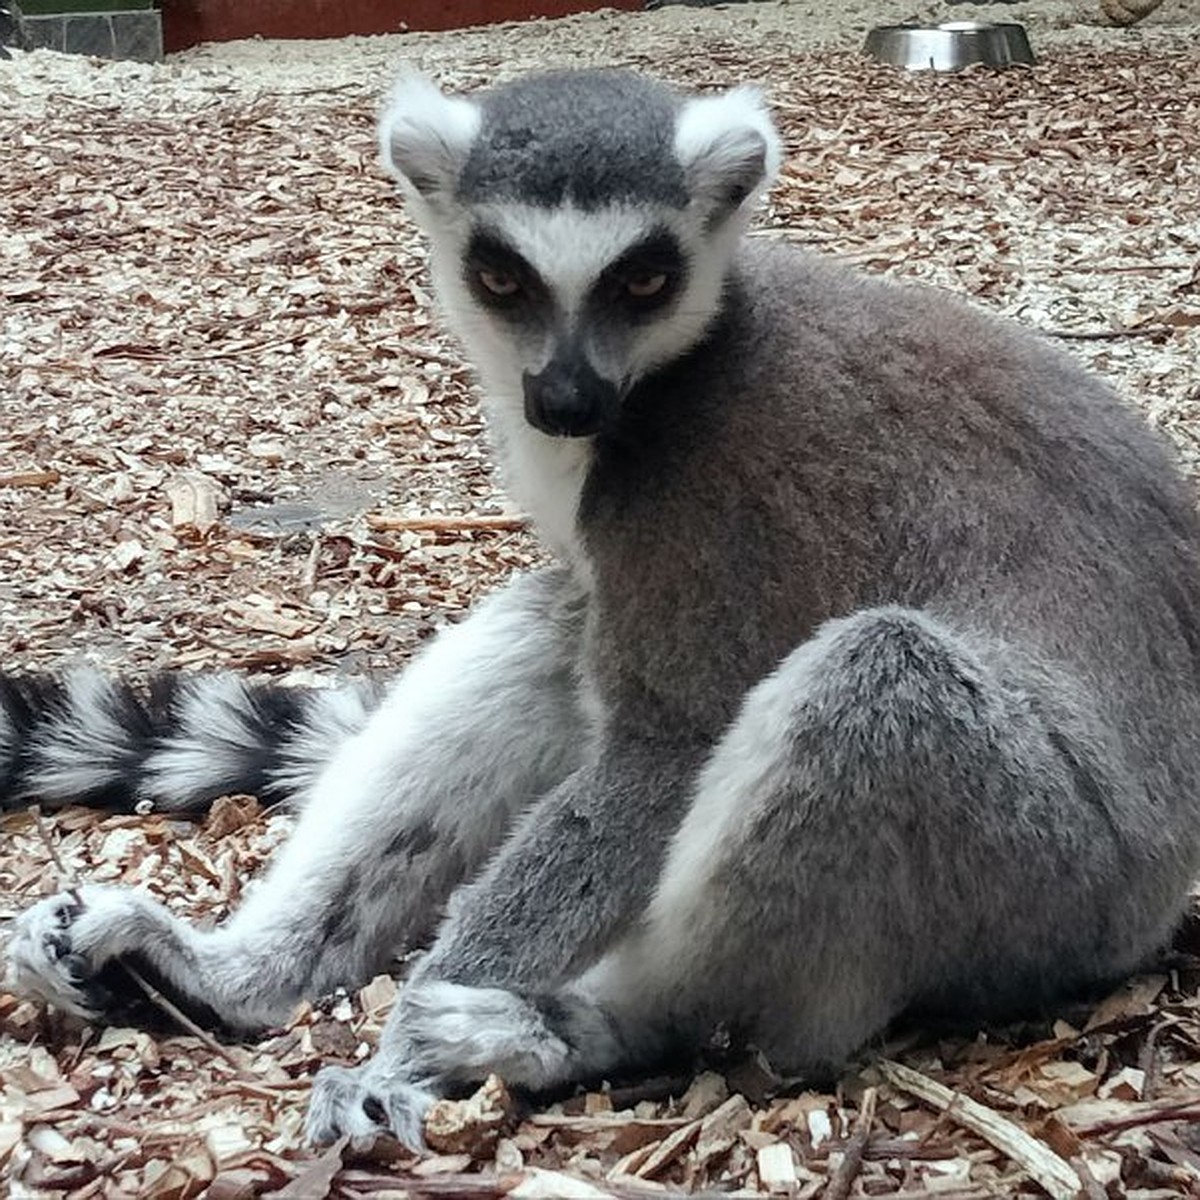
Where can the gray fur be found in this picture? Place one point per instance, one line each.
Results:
(587, 138)
(871, 684)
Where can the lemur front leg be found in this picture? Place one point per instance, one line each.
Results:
(482, 724)
(576, 873)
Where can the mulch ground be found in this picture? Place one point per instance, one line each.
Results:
(233, 435)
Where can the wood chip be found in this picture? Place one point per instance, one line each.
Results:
(195, 502)
(1059, 1178)
(540, 1184)
(471, 1126)
(777, 1167)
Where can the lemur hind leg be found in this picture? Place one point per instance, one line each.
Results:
(901, 816)
(892, 818)
(482, 723)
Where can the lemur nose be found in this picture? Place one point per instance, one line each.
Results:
(568, 398)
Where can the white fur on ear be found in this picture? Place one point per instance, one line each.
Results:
(727, 146)
(425, 135)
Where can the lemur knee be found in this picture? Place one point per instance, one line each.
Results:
(888, 665)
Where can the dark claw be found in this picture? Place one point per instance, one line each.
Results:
(59, 945)
(77, 965)
(98, 997)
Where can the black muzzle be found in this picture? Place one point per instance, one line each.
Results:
(568, 398)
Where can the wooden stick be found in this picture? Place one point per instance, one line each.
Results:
(842, 1177)
(176, 1014)
(437, 523)
(66, 878)
(1143, 1114)
(30, 479)
(1055, 1174)
(534, 1181)
(1106, 335)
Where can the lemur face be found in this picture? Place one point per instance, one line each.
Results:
(581, 225)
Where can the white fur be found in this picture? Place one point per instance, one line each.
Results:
(331, 717)
(339, 1099)
(214, 736)
(463, 739)
(404, 739)
(78, 750)
(95, 923)
(714, 134)
(568, 246)
(425, 137)
(751, 762)
(545, 476)
(748, 769)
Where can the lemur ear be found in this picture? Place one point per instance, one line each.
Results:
(727, 146)
(425, 136)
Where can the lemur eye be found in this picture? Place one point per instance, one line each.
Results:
(500, 284)
(642, 287)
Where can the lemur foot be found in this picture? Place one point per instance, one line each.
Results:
(449, 1035)
(59, 946)
(463, 1034)
(362, 1103)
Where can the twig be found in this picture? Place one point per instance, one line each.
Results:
(843, 1175)
(429, 354)
(30, 479)
(1054, 1173)
(176, 1014)
(1132, 269)
(1107, 335)
(1144, 1114)
(1150, 1060)
(324, 90)
(66, 878)
(437, 523)
(312, 565)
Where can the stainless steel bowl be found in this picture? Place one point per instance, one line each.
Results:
(951, 46)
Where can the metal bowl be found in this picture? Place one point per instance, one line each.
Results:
(951, 46)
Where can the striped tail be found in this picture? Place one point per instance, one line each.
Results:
(176, 744)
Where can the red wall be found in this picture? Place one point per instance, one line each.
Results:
(186, 22)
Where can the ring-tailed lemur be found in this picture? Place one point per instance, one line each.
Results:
(868, 680)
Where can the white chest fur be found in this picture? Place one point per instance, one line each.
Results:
(545, 477)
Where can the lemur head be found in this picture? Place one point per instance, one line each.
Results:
(581, 225)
